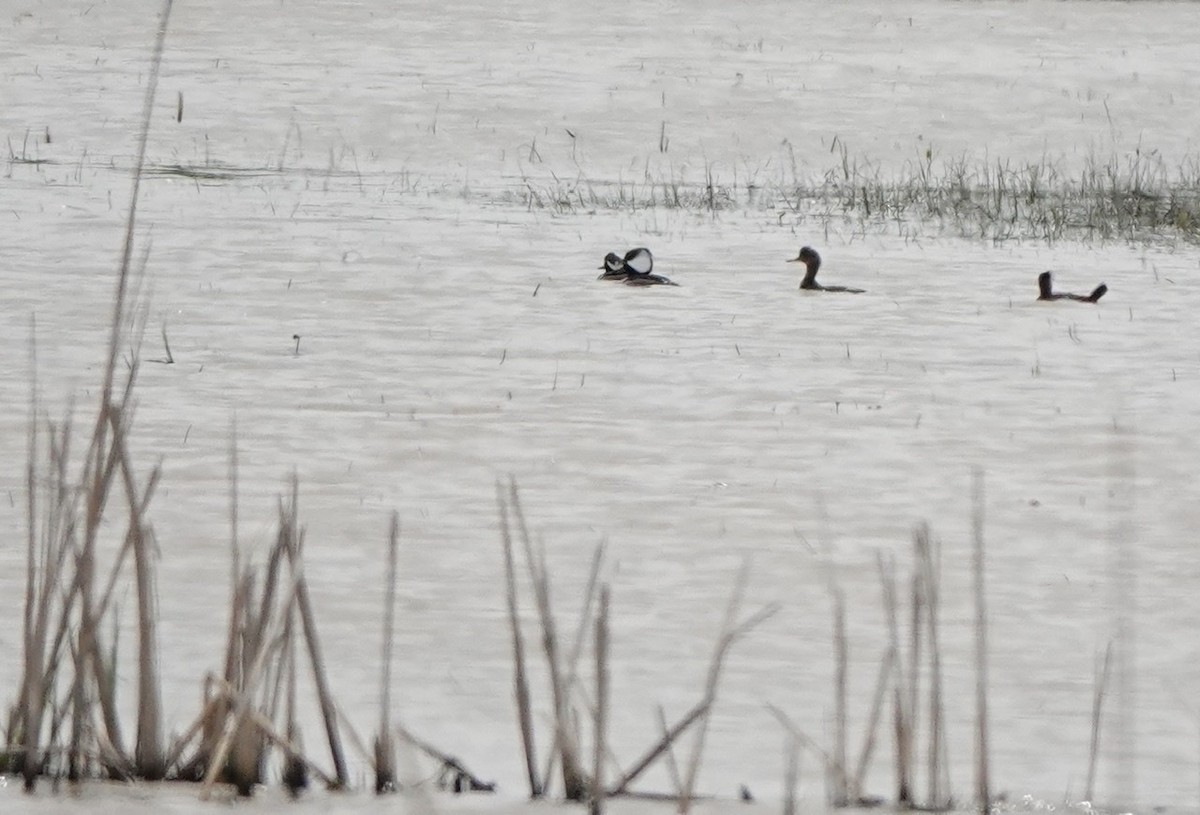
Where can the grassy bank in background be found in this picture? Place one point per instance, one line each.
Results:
(1137, 196)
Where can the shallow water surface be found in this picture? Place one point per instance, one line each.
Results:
(375, 168)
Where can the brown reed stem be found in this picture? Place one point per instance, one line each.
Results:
(672, 764)
(858, 780)
(520, 680)
(29, 710)
(575, 786)
(1098, 693)
(88, 651)
(983, 796)
(585, 616)
(901, 720)
(621, 786)
(928, 559)
(731, 631)
(385, 760)
(839, 786)
(308, 620)
(235, 566)
(791, 773)
(149, 759)
(600, 737)
(238, 741)
(295, 767)
(465, 779)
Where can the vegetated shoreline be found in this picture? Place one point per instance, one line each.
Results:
(1116, 196)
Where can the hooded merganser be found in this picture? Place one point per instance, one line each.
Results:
(638, 264)
(1045, 293)
(614, 268)
(812, 262)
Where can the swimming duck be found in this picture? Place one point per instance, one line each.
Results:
(638, 264)
(1045, 293)
(812, 262)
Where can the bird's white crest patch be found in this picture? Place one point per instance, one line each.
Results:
(639, 260)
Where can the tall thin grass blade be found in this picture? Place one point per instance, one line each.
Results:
(600, 735)
(520, 679)
(983, 795)
(385, 759)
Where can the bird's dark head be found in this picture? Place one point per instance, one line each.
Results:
(1044, 284)
(808, 256)
(612, 262)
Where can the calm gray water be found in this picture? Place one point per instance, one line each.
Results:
(452, 335)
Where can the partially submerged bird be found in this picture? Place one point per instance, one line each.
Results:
(1046, 293)
(812, 264)
(635, 269)
(614, 268)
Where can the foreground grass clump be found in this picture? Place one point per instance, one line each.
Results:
(65, 721)
(569, 693)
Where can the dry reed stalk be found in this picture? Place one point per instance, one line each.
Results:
(385, 759)
(290, 748)
(1098, 693)
(621, 786)
(234, 675)
(983, 795)
(791, 774)
(198, 725)
(295, 767)
(242, 762)
(149, 758)
(672, 764)
(520, 679)
(570, 683)
(29, 709)
(241, 584)
(873, 718)
(913, 683)
(239, 741)
(901, 716)
(731, 631)
(235, 566)
(98, 475)
(585, 615)
(47, 559)
(801, 737)
(599, 737)
(928, 559)
(307, 618)
(840, 793)
(233, 745)
(464, 777)
(575, 785)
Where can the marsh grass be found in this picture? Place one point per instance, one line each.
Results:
(567, 692)
(900, 676)
(1110, 197)
(66, 721)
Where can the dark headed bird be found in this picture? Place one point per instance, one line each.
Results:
(614, 268)
(638, 264)
(812, 263)
(1045, 292)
